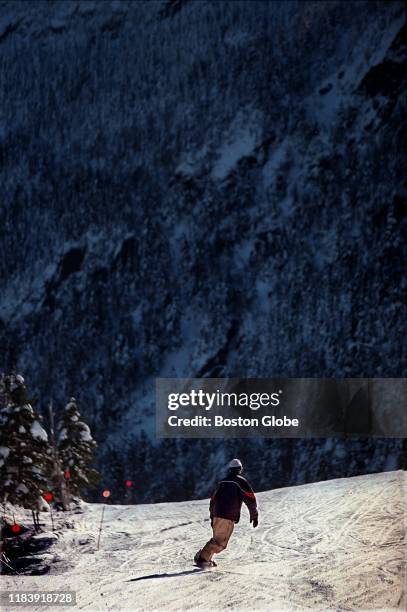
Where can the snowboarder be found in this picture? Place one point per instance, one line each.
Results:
(224, 510)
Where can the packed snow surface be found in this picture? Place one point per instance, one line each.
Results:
(338, 544)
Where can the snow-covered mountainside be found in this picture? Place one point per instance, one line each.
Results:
(335, 545)
(201, 189)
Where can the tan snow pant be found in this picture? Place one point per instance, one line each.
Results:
(222, 530)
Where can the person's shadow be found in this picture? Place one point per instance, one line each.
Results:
(167, 575)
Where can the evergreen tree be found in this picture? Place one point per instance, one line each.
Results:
(57, 479)
(24, 449)
(76, 449)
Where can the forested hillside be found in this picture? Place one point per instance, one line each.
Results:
(202, 189)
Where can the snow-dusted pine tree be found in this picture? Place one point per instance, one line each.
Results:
(57, 479)
(24, 448)
(76, 449)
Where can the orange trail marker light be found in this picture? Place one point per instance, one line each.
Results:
(106, 493)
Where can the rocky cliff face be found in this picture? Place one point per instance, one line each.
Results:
(201, 189)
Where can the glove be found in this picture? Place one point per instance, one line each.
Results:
(255, 521)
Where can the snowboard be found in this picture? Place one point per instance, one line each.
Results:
(204, 564)
(207, 565)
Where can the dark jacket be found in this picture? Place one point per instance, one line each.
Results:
(227, 500)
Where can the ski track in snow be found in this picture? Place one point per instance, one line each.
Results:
(338, 544)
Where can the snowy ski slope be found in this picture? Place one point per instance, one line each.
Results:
(331, 545)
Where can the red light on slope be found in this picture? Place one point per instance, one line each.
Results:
(129, 483)
(67, 474)
(48, 497)
(106, 493)
(15, 528)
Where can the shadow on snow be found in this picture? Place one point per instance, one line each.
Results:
(166, 575)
